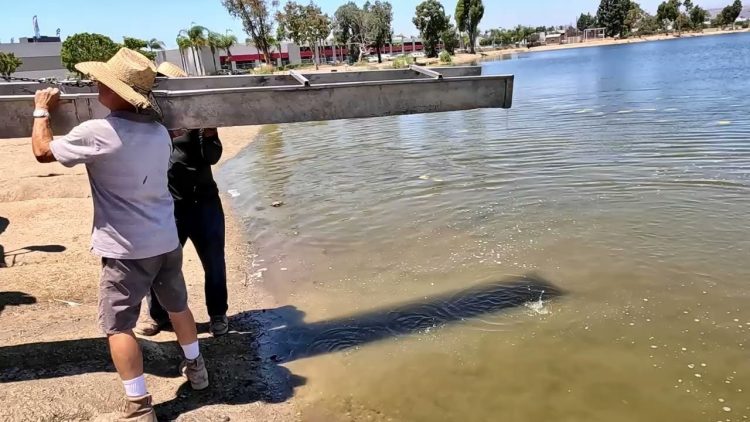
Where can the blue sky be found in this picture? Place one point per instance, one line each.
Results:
(163, 19)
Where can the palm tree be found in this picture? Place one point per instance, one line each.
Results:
(197, 36)
(214, 43)
(183, 43)
(226, 42)
(154, 44)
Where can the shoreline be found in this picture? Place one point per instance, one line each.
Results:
(464, 59)
(48, 308)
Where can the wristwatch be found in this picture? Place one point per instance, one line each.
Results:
(41, 113)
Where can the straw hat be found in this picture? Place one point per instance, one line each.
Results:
(129, 74)
(171, 70)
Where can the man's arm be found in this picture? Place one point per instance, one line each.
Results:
(41, 135)
(211, 147)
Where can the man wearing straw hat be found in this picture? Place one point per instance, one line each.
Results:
(199, 217)
(127, 156)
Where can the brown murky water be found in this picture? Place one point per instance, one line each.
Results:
(621, 177)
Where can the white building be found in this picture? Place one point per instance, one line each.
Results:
(243, 57)
(40, 59)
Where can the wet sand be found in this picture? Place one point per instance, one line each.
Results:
(54, 363)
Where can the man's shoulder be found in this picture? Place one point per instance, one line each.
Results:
(92, 124)
(151, 126)
(93, 127)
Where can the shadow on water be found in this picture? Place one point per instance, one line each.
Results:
(293, 339)
(245, 364)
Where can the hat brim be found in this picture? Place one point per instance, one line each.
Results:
(101, 72)
(171, 71)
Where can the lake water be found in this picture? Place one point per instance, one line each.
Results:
(621, 177)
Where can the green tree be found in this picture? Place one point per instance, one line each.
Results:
(350, 28)
(729, 14)
(468, 15)
(649, 25)
(380, 17)
(256, 19)
(305, 25)
(450, 39)
(139, 46)
(86, 47)
(431, 21)
(634, 17)
(667, 13)
(8, 64)
(611, 15)
(197, 36)
(698, 15)
(134, 43)
(585, 21)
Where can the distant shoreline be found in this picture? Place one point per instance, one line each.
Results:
(463, 59)
(606, 42)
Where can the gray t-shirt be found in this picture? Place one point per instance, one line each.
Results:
(127, 158)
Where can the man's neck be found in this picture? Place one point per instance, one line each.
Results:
(124, 108)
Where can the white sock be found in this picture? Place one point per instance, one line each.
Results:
(135, 387)
(191, 350)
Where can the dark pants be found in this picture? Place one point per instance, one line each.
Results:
(203, 223)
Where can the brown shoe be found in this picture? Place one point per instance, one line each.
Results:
(195, 372)
(135, 409)
(149, 328)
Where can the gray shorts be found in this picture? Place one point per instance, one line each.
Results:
(125, 282)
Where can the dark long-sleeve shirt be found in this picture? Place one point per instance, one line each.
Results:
(190, 177)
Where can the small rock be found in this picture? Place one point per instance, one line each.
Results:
(277, 204)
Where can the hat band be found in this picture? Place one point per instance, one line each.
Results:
(144, 92)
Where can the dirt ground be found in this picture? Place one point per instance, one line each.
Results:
(54, 363)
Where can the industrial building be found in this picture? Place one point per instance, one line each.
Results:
(40, 57)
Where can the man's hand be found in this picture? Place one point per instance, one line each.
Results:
(46, 99)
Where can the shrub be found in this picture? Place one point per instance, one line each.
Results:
(265, 69)
(445, 57)
(402, 62)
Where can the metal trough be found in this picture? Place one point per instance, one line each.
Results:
(219, 101)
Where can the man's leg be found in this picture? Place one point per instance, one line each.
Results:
(123, 285)
(158, 318)
(126, 355)
(155, 310)
(209, 239)
(169, 287)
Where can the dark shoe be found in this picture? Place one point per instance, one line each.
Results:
(135, 409)
(149, 328)
(219, 325)
(195, 371)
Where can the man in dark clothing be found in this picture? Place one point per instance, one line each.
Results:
(200, 218)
